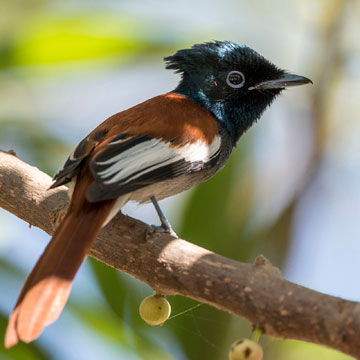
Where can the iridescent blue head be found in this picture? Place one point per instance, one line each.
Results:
(233, 82)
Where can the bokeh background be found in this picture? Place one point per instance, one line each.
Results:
(290, 191)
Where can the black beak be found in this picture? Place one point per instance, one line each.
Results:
(286, 80)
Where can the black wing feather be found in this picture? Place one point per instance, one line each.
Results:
(72, 165)
(99, 190)
(139, 178)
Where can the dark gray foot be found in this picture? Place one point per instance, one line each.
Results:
(165, 224)
(159, 229)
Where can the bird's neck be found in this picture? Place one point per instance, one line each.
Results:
(236, 119)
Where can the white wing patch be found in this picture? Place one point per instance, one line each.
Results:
(151, 155)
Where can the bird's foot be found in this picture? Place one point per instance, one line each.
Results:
(165, 224)
(154, 229)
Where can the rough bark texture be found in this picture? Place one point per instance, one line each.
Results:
(257, 292)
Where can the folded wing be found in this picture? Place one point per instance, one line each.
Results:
(130, 162)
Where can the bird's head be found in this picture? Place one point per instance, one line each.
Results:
(233, 82)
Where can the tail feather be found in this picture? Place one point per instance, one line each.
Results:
(47, 288)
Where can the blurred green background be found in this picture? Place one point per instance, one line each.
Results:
(290, 190)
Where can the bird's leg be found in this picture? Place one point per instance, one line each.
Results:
(165, 224)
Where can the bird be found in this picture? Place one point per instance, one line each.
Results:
(151, 151)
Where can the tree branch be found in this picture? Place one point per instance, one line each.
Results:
(257, 292)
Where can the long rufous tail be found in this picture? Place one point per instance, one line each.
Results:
(47, 288)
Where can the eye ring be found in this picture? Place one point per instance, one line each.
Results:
(235, 79)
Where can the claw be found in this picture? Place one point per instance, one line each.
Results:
(153, 229)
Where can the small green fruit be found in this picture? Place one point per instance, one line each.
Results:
(155, 309)
(245, 349)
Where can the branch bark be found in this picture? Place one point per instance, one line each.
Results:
(258, 292)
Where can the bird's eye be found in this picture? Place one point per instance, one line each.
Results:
(235, 79)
